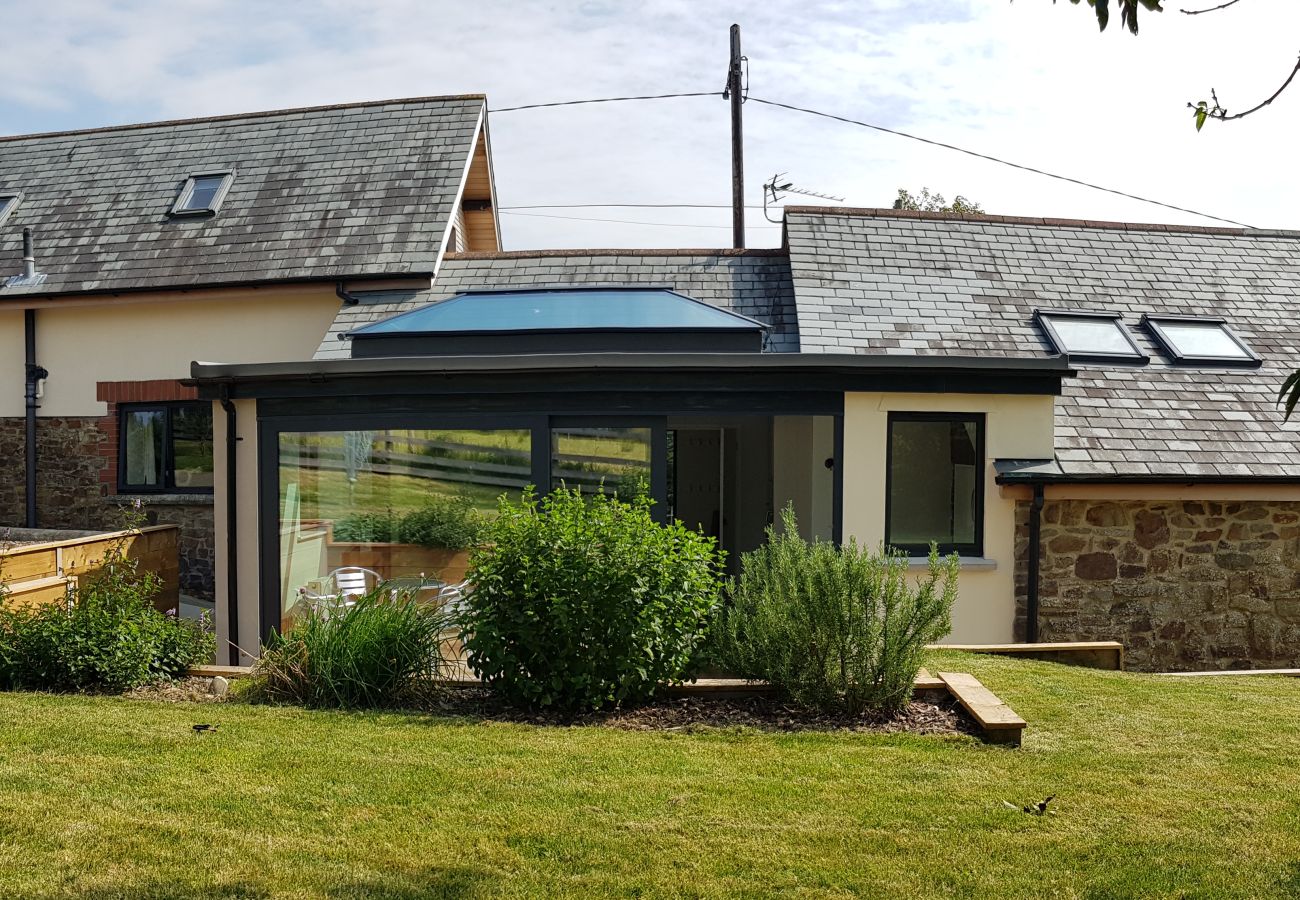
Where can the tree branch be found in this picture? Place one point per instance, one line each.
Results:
(1197, 12)
(1218, 112)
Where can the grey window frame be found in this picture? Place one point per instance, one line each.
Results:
(227, 177)
(974, 548)
(1043, 318)
(168, 485)
(1152, 323)
(13, 198)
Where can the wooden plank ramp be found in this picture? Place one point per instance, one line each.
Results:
(1000, 723)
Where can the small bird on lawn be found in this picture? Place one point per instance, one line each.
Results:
(203, 729)
(1034, 809)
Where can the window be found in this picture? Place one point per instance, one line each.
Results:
(1194, 339)
(7, 204)
(165, 447)
(202, 194)
(935, 483)
(1088, 335)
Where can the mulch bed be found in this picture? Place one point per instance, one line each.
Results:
(668, 714)
(687, 714)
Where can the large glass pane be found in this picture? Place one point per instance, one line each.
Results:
(934, 484)
(1100, 336)
(397, 504)
(192, 446)
(142, 435)
(204, 192)
(601, 459)
(1202, 339)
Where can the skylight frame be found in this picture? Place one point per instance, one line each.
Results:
(180, 205)
(9, 201)
(1043, 318)
(1153, 323)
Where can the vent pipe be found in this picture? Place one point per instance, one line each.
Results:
(29, 255)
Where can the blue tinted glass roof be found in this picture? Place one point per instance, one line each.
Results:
(565, 310)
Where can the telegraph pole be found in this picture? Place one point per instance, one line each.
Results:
(733, 93)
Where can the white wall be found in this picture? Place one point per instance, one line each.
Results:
(1016, 427)
(800, 447)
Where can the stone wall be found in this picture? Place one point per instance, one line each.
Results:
(71, 492)
(1184, 585)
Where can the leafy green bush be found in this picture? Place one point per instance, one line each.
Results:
(106, 636)
(364, 528)
(449, 522)
(584, 602)
(382, 651)
(838, 628)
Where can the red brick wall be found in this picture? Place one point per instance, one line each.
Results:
(117, 392)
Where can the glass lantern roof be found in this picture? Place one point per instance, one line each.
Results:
(590, 309)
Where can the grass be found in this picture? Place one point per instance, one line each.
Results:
(1166, 787)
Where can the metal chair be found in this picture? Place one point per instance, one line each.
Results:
(349, 583)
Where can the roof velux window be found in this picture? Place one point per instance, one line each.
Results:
(202, 193)
(1089, 336)
(7, 204)
(1198, 339)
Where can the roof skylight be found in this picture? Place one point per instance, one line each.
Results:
(202, 193)
(1089, 335)
(1199, 339)
(7, 204)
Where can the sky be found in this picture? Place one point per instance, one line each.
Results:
(1028, 80)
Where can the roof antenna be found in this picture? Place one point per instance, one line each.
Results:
(774, 189)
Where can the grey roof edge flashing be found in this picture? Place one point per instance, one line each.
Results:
(183, 287)
(255, 114)
(1011, 472)
(1035, 221)
(595, 362)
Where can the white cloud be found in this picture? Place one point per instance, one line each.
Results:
(1030, 81)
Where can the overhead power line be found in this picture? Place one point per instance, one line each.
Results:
(627, 206)
(623, 221)
(985, 156)
(605, 100)
(881, 128)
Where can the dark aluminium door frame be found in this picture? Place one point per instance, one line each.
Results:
(270, 428)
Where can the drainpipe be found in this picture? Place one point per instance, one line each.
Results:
(34, 374)
(1035, 544)
(232, 531)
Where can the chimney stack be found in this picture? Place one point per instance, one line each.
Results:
(29, 256)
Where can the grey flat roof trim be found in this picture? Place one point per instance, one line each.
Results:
(1048, 471)
(181, 287)
(678, 362)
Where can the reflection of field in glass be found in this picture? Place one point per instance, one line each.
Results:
(398, 471)
(586, 457)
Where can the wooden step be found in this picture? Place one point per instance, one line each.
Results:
(1000, 723)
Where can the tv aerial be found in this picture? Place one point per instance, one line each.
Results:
(775, 189)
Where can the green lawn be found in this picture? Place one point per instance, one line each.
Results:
(1165, 787)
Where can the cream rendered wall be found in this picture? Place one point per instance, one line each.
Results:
(157, 337)
(246, 522)
(1017, 427)
(12, 363)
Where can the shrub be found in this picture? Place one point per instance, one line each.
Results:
(585, 602)
(365, 528)
(838, 628)
(105, 636)
(450, 522)
(382, 651)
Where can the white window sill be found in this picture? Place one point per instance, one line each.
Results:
(965, 562)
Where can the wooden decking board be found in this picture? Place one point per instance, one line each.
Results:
(223, 671)
(1285, 673)
(1092, 654)
(998, 720)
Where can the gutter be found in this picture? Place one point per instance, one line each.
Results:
(232, 531)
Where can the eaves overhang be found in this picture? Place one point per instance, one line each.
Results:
(640, 371)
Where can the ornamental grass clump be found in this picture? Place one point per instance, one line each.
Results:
(383, 650)
(835, 627)
(583, 602)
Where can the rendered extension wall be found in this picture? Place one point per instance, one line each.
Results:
(1017, 427)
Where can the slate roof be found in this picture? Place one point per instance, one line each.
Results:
(877, 281)
(325, 192)
(754, 283)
